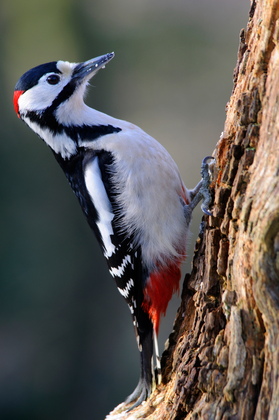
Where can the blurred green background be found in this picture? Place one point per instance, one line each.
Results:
(67, 347)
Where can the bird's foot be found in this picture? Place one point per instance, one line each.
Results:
(200, 192)
(140, 394)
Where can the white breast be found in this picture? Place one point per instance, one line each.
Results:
(98, 194)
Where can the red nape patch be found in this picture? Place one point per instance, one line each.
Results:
(17, 94)
(159, 289)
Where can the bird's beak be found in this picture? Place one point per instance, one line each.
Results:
(86, 70)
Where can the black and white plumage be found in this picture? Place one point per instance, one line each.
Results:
(129, 189)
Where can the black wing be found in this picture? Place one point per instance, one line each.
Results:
(90, 175)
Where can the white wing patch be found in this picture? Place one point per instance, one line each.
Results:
(119, 271)
(125, 292)
(98, 194)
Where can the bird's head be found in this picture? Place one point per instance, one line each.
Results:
(51, 84)
(49, 98)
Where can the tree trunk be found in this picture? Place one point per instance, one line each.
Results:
(222, 360)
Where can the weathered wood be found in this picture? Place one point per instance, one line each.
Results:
(222, 360)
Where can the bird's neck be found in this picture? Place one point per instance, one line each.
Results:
(77, 113)
(71, 123)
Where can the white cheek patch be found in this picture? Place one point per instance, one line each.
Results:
(42, 95)
(98, 194)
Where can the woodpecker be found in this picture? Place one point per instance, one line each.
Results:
(128, 187)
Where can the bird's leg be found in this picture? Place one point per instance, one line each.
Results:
(200, 192)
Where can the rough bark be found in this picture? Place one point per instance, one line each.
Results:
(222, 360)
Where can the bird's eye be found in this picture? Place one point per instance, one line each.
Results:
(53, 79)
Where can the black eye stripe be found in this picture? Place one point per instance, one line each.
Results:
(53, 79)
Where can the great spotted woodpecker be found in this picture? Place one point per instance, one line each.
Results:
(128, 186)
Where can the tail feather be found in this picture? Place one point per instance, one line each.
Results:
(147, 295)
(144, 332)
